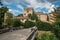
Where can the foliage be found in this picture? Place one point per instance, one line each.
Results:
(46, 36)
(56, 25)
(56, 29)
(9, 19)
(17, 23)
(10, 15)
(33, 17)
(29, 24)
(43, 26)
(20, 15)
(3, 10)
(9, 22)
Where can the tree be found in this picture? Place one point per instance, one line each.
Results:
(9, 19)
(56, 25)
(33, 17)
(29, 24)
(3, 10)
(20, 15)
(17, 23)
(56, 29)
(43, 26)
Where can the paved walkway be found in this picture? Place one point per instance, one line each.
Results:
(15, 35)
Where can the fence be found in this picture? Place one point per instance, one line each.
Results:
(31, 36)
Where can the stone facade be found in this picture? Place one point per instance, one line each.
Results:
(42, 16)
(21, 18)
(28, 11)
(52, 17)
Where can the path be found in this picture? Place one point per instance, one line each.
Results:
(15, 35)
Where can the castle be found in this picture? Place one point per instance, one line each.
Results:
(42, 16)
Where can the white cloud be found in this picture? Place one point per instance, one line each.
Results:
(51, 9)
(13, 1)
(8, 2)
(44, 12)
(45, 4)
(33, 3)
(19, 6)
(14, 12)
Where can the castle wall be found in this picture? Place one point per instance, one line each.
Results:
(28, 11)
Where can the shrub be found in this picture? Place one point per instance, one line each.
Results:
(56, 29)
(33, 17)
(17, 23)
(29, 24)
(43, 26)
(46, 36)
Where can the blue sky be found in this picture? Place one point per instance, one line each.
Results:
(17, 6)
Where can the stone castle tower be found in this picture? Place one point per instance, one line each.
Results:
(28, 11)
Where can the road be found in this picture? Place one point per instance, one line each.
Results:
(15, 35)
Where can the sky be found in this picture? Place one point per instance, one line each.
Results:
(17, 6)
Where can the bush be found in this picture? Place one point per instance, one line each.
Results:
(46, 36)
(56, 29)
(17, 23)
(43, 26)
(29, 24)
(33, 17)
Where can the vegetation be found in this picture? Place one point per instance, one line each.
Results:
(46, 36)
(56, 25)
(17, 23)
(20, 15)
(56, 29)
(9, 19)
(3, 10)
(29, 24)
(33, 17)
(43, 26)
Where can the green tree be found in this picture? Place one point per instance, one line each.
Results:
(17, 23)
(43, 26)
(56, 29)
(3, 10)
(33, 17)
(20, 15)
(29, 24)
(9, 20)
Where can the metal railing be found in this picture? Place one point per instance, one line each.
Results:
(31, 35)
